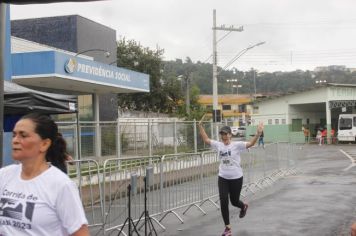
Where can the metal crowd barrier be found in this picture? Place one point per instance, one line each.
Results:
(180, 174)
(117, 174)
(209, 173)
(86, 174)
(179, 182)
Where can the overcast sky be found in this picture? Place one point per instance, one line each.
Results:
(299, 34)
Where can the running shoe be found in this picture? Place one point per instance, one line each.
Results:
(243, 211)
(227, 232)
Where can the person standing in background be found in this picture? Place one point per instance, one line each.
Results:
(319, 137)
(306, 134)
(261, 141)
(324, 136)
(332, 135)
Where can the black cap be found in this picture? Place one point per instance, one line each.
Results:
(225, 130)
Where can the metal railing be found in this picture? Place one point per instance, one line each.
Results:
(180, 182)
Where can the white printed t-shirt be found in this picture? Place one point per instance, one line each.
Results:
(48, 204)
(230, 159)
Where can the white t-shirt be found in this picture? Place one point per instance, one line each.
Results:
(48, 204)
(229, 156)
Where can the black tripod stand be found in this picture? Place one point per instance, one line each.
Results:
(148, 219)
(129, 219)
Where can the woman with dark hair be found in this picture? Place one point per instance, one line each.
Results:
(230, 177)
(58, 156)
(37, 198)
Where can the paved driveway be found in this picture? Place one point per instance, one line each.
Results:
(319, 201)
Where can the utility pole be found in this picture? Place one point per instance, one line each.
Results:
(187, 97)
(254, 81)
(216, 111)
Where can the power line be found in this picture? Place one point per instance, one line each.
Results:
(309, 23)
(312, 57)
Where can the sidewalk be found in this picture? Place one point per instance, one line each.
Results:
(319, 201)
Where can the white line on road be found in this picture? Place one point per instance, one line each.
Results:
(353, 161)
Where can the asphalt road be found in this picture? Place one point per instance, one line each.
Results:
(319, 200)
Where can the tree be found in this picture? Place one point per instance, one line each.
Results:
(131, 55)
(177, 74)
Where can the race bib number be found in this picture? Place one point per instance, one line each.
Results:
(226, 162)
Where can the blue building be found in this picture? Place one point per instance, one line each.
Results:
(75, 34)
(65, 54)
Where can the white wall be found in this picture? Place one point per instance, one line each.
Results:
(19, 45)
(282, 107)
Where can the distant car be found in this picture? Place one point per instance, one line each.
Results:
(238, 131)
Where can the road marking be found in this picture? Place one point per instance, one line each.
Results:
(353, 161)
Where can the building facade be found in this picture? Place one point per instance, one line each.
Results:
(236, 109)
(68, 55)
(317, 108)
(76, 34)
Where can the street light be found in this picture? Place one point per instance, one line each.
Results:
(232, 81)
(187, 90)
(215, 90)
(240, 53)
(237, 86)
(107, 53)
(320, 81)
(254, 82)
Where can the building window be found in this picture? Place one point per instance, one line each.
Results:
(269, 121)
(276, 121)
(85, 104)
(296, 125)
(85, 108)
(226, 107)
(242, 108)
(255, 109)
(284, 121)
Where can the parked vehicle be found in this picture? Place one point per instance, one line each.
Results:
(238, 131)
(347, 128)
